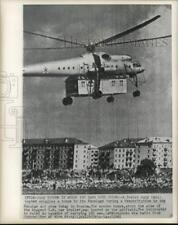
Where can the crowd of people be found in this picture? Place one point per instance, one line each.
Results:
(161, 182)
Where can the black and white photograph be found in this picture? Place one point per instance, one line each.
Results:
(97, 99)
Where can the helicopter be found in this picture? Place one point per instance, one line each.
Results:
(91, 73)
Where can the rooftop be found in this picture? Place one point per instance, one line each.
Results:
(65, 140)
(155, 140)
(123, 143)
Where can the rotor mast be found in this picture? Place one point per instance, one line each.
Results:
(90, 47)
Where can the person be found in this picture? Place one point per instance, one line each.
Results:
(54, 186)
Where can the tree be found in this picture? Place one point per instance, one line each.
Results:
(146, 168)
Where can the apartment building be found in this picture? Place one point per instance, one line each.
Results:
(158, 149)
(85, 156)
(49, 153)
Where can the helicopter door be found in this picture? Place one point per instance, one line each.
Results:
(86, 68)
(128, 67)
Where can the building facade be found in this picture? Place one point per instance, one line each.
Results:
(121, 154)
(85, 156)
(71, 153)
(40, 154)
(61, 153)
(129, 152)
(157, 149)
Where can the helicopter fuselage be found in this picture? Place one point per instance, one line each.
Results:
(110, 65)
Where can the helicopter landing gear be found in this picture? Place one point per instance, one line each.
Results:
(136, 93)
(97, 95)
(110, 99)
(67, 101)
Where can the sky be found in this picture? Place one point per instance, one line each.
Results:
(96, 121)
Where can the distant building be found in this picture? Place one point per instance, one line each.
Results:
(158, 149)
(71, 153)
(129, 152)
(80, 157)
(121, 154)
(124, 154)
(85, 156)
(93, 156)
(49, 153)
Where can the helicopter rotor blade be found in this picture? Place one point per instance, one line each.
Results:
(53, 48)
(128, 31)
(138, 40)
(55, 38)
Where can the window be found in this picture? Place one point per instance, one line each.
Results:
(121, 83)
(58, 68)
(68, 67)
(113, 82)
(83, 85)
(73, 67)
(116, 66)
(63, 68)
(81, 67)
(106, 56)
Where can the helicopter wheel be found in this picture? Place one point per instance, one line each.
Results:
(67, 101)
(97, 95)
(136, 93)
(110, 99)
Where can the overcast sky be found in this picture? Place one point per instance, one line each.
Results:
(96, 121)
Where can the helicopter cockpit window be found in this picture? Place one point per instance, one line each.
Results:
(106, 56)
(136, 64)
